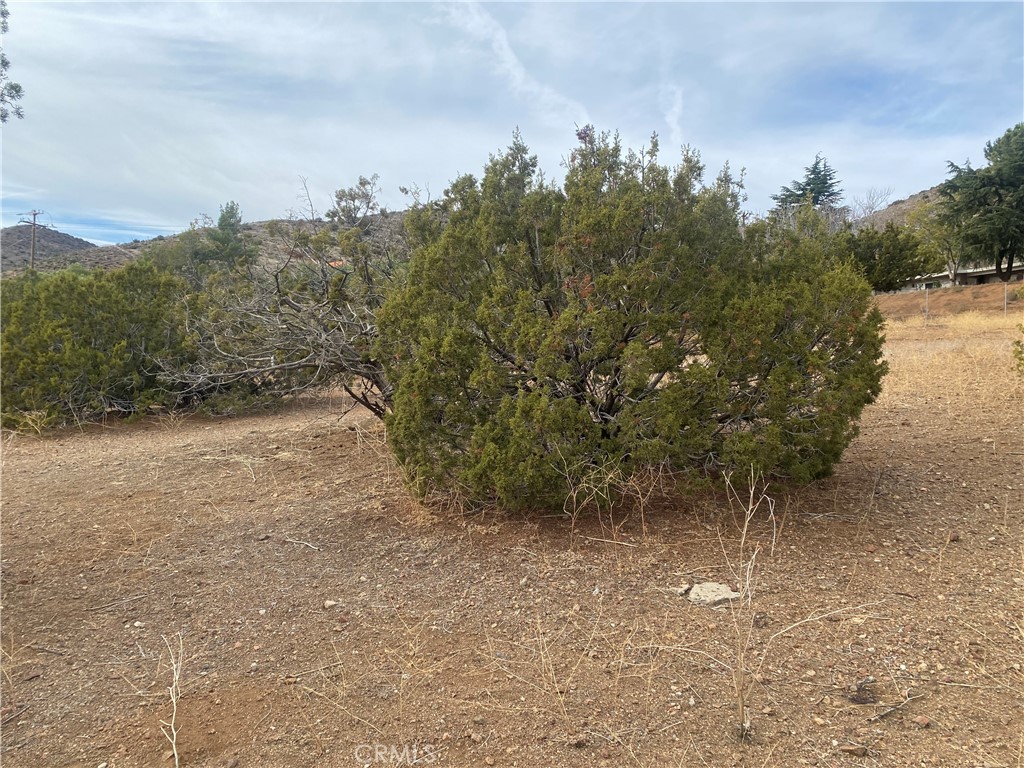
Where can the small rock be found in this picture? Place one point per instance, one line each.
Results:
(818, 721)
(138, 624)
(479, 720)
(854, 750)
(476, 738)
(711, 593)
(681, 590)
(489, 760)
(954, 536)
(922, 721)
(328, 604)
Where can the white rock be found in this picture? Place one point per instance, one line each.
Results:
(711, 593)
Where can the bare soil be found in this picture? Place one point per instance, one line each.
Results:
(991, 298)
(328, 619)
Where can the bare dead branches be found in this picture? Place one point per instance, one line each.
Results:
(303, 316)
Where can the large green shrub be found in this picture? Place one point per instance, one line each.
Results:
(550, 337)
(76, 344)
(1018, 352)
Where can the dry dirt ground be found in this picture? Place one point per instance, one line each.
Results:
(327, 619)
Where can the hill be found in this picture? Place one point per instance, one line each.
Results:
(16, 246)
(63, 250)
(898, 211)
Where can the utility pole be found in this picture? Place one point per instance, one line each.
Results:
(32, 253)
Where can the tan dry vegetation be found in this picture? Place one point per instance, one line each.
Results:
(882, 619)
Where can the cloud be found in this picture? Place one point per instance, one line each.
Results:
(151, 113)
(554, 108)
(672, 111)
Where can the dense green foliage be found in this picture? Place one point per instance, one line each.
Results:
(988, 203)
(819, 187)
(889, 257)
(10, 92)
(942, 238)
(205, 249)
(552, 339)
(77, 344)
(1018, 352)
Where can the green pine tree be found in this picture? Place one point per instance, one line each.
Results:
(819, 186)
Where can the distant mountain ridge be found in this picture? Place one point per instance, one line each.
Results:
(16, 246)
(56, 250)
(62, 251)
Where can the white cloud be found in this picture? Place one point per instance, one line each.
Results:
(536, 97)
(151, 113)
(672, 110)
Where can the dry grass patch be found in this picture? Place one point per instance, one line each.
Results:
(965, 359)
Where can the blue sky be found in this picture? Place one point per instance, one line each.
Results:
(142, 115)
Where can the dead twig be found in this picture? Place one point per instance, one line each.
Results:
(894, 708)
(48, 650)
(610, 541)
(306, 543)
(318, 669)
(13, 715)
(118, 602)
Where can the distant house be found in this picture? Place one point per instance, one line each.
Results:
(971, 276)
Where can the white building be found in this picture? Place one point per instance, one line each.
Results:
(967, 276)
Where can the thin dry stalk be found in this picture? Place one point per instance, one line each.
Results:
(169, 728)
(745, 575)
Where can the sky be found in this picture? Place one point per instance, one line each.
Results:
(140, 116)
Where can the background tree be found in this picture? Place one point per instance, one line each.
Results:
(942, 237)
(304, 316)
(206, 248)
(819, 186)
(10, 92)
(871, 202)
(551, 340)
(989, 201)
(889, 257)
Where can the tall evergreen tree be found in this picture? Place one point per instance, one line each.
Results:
(819, 185)
(9, 92)
(990, 201)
